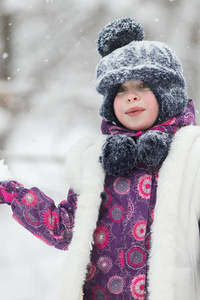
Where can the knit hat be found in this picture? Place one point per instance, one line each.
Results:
(126, 57)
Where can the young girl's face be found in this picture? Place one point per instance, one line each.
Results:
(135, 106)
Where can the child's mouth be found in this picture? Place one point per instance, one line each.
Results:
(134, 111)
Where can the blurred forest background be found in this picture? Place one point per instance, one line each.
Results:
(48, 101)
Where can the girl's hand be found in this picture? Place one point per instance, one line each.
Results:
(8, 191)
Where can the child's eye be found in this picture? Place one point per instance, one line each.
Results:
(144, 85)
(121, 89)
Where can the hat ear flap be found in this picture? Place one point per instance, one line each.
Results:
(171, 103)
(107, 110)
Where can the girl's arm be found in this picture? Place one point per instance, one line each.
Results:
(38, 213)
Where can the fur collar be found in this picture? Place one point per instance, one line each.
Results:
(162, 261)
(87, 178)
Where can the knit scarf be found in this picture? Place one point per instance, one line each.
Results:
(125, 148)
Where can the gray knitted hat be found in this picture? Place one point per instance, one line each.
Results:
(127, 57)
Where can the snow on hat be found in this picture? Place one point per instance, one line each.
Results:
(126, 57)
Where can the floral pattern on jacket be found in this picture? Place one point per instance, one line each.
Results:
(118, 267)
(38, 213)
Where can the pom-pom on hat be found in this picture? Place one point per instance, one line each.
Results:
(118, 34)
(126, 57)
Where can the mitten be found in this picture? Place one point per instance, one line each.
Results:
(9, 191)
(153, 147)
(118, 155)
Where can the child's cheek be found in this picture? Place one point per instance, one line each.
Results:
(117, 105)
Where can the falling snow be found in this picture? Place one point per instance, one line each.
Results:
(53, 59)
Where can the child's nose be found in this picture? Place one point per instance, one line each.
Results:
(132, 96)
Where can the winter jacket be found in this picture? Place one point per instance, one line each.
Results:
(175, 231)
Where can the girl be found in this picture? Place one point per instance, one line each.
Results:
(131, 221)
